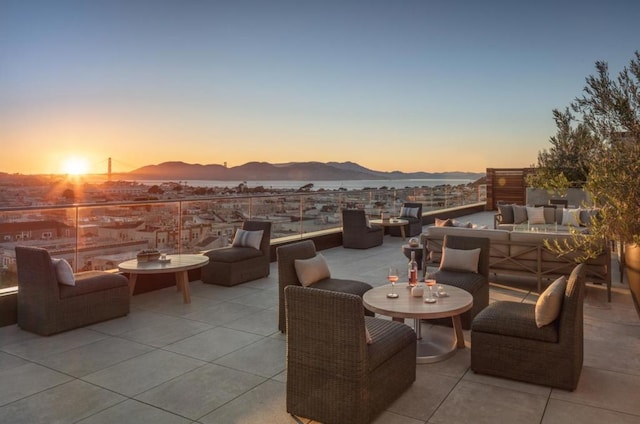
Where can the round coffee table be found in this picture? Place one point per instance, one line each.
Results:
(177, 264)
(393, 222)
(431, 347)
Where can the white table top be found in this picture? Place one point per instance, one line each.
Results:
(177, 263)
(407, 306)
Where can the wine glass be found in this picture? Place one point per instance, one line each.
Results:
(430, 282)
(392, 276)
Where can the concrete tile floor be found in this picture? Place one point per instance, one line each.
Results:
(222, 360)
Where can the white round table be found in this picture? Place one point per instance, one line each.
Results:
(177, 264)
(393, 222)
(431, 347)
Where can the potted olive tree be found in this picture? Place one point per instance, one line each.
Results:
(611, 110)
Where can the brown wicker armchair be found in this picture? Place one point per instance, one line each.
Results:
(506, 342)
(355, 232)
(333, 374)
(287, 276)
(229, 266)
(475, 283)
(47, 307)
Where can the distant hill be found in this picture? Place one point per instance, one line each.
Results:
(263, 171)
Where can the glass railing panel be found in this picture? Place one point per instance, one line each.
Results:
(211, 223)
(99, 236)
(53, 229)
(112, 233)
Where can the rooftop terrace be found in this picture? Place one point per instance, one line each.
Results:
(221, 359)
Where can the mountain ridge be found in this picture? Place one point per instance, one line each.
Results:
(264, 171)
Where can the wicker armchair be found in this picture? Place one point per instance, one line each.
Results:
(47, 307)
(287, 276)
(229, 266)
(333, 374)
(476, 284)
(355, 232)
(505, 341)
(414, 228)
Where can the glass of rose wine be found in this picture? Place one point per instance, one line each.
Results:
(392, 276)
(430, 282)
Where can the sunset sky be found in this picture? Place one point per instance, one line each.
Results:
(393, 85)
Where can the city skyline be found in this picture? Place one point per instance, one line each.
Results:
(410, 86)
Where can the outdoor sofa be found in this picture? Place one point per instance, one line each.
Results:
(523, 253)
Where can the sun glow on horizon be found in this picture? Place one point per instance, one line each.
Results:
(75, 166)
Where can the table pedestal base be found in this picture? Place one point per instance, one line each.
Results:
(436, 344)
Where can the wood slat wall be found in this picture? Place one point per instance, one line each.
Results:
(506, 185)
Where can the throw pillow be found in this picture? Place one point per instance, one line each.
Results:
(460, 224)
(535, 215)
(507, 213)
(550, 302)
(246, 238)
(312, 270)
(409, 212)
(519, 214)
(570, 217)
(587, 215)
(460, 260)
(549, 215)
(64, 272)
(443, 222)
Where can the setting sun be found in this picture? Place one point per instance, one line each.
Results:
(75, 166)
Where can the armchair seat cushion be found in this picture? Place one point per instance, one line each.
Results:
(388, 338)
(233, 254)
(513, 319)
(343, 286)
(468, 281)
(92, 282)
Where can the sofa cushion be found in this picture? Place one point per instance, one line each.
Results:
(519, 214)
(460, 224)
(506, 211)
(549, 302)
(570, 217)
(586, 215)
(465, 260)
(244, 238)
(443, 222)
(535, 215)
(312, 270)
(64, 272)
(232, 254)
(549, 215)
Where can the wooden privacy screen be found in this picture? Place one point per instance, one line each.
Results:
(506, 185)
